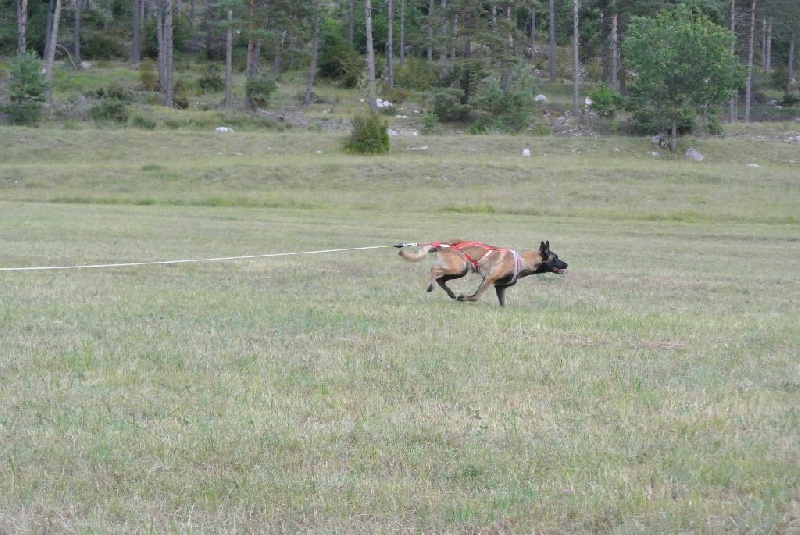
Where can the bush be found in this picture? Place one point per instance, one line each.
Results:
(416, 73)
(369, 135)
(211, 80)
(430, 124)
(180, 94)
(338, 61)
(110, 110)
(148, 76)
(447, 104)
(496, 108)
(145, 123)
(26, 90)
(100, 46)
(259, 89)
(605, 101)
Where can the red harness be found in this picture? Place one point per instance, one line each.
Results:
(461, 245)
(489, 249)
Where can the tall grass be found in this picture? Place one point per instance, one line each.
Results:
(653, 388)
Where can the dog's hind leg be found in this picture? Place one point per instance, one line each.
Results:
(501, 294)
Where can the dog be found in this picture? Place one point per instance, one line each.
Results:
(498, 266)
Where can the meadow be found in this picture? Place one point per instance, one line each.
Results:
(653, 388)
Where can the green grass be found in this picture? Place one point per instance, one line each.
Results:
(651, 389)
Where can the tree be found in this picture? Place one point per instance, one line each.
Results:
(373, 104)
(26, 89)
(312, 68)
(22, 24)
(748, 88)
(682, 65)
(165, 49)
(50, 49)
(576, 66)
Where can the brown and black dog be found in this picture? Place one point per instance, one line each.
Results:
(499, 267)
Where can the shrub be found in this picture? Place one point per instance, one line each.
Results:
(111, 110)
(447, 104)
(259, 89)
(369, 135)
(147, 75)
(605, 101)
(180, 94)
(416, 73)
(26, 90)
(430, 123)
(501, 109)
(339, 61)
(101, 46)
(211, 80)
(145, 123)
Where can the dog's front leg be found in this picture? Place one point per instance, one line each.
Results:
(485, 284)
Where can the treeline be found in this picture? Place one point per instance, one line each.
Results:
(450, 47)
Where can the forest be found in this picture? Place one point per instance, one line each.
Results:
(670, 67)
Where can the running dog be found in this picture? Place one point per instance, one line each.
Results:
(499, 267)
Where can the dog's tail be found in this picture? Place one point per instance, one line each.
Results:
(424, 249)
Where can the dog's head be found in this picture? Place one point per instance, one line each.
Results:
(550, 261)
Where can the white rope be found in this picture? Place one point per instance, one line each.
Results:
(186, 261)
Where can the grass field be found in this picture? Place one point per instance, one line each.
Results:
(653, 388)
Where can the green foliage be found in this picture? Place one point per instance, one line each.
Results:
(112, 105)
(259, 89)
(447, 104)
(26, 89)
(369, 135)
(430, 124)
(180, 94)
(143, 122)
(338, 61)
(114, 91)
(506, 109)
(415, 73)
(101, 46)
(110, 110)
(605, 101)
(682, 63)
(211, 80)
(147, 75)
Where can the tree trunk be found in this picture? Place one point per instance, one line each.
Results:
(373, 104)
(165, 50)
(390, 45)
(22, 24)
(136, 38)
(76, 32)
(443, 37)
(533, 35)
(312, 68)
(251, 63)
(402, 31)
(552, 41)
(732, 113)
(430, 31)
(790, 62)
(614, 51)
(229, 61)
(673, 135)
(576, 66)
(748, 89)
(50, 52)
(350, 23)
(768, 51)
